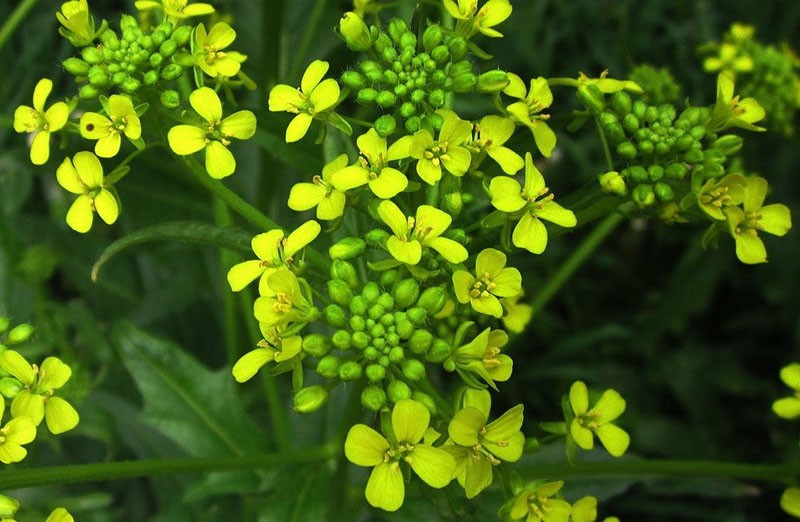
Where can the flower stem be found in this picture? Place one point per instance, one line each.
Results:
(14, 20)
(604, 142)
(77, 473)
(578, 257)
(222, 217)
(309, 32)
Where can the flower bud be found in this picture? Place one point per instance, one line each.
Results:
(622, 103)
(372, 70)
(382, 42)
(492, 82)
(150, 77)
(359, 306)
(385, 125)
(675, 171)
(350, 371)
(10, 387)
(371, 292)
(386, 301)
(20, 334)
(343, 271)
(436, 96)
(413, 370)
(88, 91)
(361, 340)
(413, 124)
(663, 192)
(591, 97)
(404, 329)
(76, 66)
(432, 300)
(397, 28)
(328, 366)
(693, 156)
(386, 99)
(341, 339)
(339, 292)
(417, 315)
(612, 183)
(453, 203)
(458, 47)
(8, 507)
(354, 80)
(426, 400)
(375, 372)
(462, 83)
(355, 32)
(98, 77)
(439, 351)
(643, 196)
(316, 345)
(398, 390)
(729, 144)
(408, 41)
(432, 37)
(406, 293)
(182, 34)
(131, 85)
(358, 323)
(334, 316)
(366, 96)
(170, 99)
(627, 150)
(655, 172)
(311, 399)
(373, 397)
(172, 71)
(167, 48)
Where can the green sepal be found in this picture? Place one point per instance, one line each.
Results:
(421, 274)
(297, 377)
(294, 329)
(138, 143)
(477, 51)
(461, 333)
(556, 428)
(340, 123)
(141, 109)
(199, 79)
(104, 103)
(470, 380)
(116, 175)
(183, 59)
(305, 289)
(247, 82)
(381, 266)
(493, 220)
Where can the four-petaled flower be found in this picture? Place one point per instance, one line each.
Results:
(448, 152)
(175, 10)
(372, 167)
(480, 444)
(107, 131)
(41, 122)
(16, 432)
(731, 111)
(273, 251)
(273, 347)
(536, 504)
(528, 110)
(36, 399)
(83, 175)
(493, 280)
(311, 100)
(209, 54)
(488, 137)
(321, 193)
(718, 194)
(411, 235)
(789, 407)
(471, 20)
(366, 447)
(731, 58)
(534, 202)
(78, 24)
(482, 356)
(214, 135)
(282, 301)
(597, 420)
(744, 223)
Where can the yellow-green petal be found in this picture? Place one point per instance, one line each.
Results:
(790, 375)
(614, 438)
(40, 148)
(530, 234)
(457, 160)
(14, 363)
(325, 95)
(790, 501)
(506, 194)
(389, 183)
(787, 407)
(508, 160)
(56, 116)
(555, 213)
(385, 487)
(249, 364)
(108, 146)
(579, 397)
(489, 261)
(80, 214)
(749, 248)
(584, 510)
(581, 435)
(429, 171)
(331, 206)
(453, 251)
(350, 177)
(407, 252)
(462, 283)
(284, 98)
(240, 125)
(41, 92)
(508, 283)
(89, 169)
(610, 406)
(106, 206)
(53, 374)
(304, 196)
(516, 86)
(465, 425)
(67, 177)
(59, 415)
(313, 75)
(30, 405)
(220, 162)
(242, 274)
(488, 305)
(301, 236)
(186, 139)
(433, 465)
(365, 446)
(410, 419)
(59, 515)
(298, 127)
(206, 103)
(220, 36)
(776, 219)
(391, 214)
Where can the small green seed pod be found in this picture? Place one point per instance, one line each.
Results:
(311, 399)
(373, 397)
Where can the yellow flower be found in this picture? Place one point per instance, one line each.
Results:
(718, 194)
(471, 20)
(17, 432)
(528, 111)
(730, 111)
(273, 347)
(447, 152)
(493, 280)
(123, 120)
(488, 137)
(208, 54)
(175, 10)
(214, 135)
(411, 235)
(314, 97)
(77, 23)
(321, 193)
(372, 168)
(597, 420)
(744, 223)
(83, 175)
(41, 122)
(536, 504)
(282, 301)
(482, 356)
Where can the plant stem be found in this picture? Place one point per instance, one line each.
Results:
(222, 217)
(578, 257)
(78, 473)
(309, 31)
(14, 20)
(604, 142)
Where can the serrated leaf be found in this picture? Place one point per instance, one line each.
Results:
(192, 405)
(190, 231)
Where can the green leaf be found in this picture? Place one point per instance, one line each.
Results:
(190, 231)
(192, 405)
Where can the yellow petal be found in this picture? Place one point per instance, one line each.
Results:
(325, 95)
(28, 405)
(284, 97)
(186, 139)
(242, 274)
(313, 75)
(365, 446)
(298, 127)
(249, 364)
(56, 116)
(410, 419)
(94, 126)
(304, 196)
(40, 148)
(389, 183)
(80, 215)
(89, 169)
(206, 103)
(106, 206)
(433, 465)
(108, 146)
(67, 177)
(219, 160)
(240, 125)
(59, 415)
(41, 92)
(385, 487)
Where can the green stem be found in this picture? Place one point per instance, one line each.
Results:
(604, 142)
(578, 257)
(73, 474)
(14, 20)
(222, 217)
(309, 31)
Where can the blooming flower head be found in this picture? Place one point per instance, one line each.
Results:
(314, 97)
(273, 347)
(535, 503)
(366, 447)
(274, 251)
(493, 280)
(16, 432)
(597, 420)
(77, 24)
(536, 204)
(528, 110)
(214, 134)
(489, 136)
(321, 193)
(175, 10)
(40, 121)
(472, 20)
(446, 153)
(482, 356)
(789, 407)
(731, 111)
(83, 175)
(36, 400)
(209, 54)
(718, 194)
(479, 444)
(411, 235)
(282, 302)
(372, 167)
(745, 223)
(107, 131)
(731, 57)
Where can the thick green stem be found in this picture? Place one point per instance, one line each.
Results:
(14, 20)
(578, 257)
(25, 478)
(222, 217)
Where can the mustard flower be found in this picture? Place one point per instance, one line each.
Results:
(480, 444)
(744, 223)
(489, 136)
(493, 280)
(482, 356)
(372, 167)
(282, 302)
(273, 251)
(321, 193)
(77, 24)
(731, 111)
(731, 57)
(214, 135)
(314, 97)
(209, 54)
(535, 503)
(447, 152)
(16, 433)
(472, 20)
(40, 121)
(366, 447)
(37, 399)
(107, 131)
(411, 235)
(597, 420)
(528, 110)
(175, 10)
(789, 407)
(718, 194)
(534, 203)
(273, 347)
(83, 175)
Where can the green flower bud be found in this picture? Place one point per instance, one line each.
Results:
(131, 85)
(693, 156)
(426, 400)
(458, 47)
(622, 103)
(404, 328)
(386, 301)
(311, 399)
(182, 34)
(92, 55)
(375, 372)
(358, 306)
(375, 312)
(646, 148)
(417, 316)
(439, 352)
(150, 78)
(339, 292)
(432, 300)
(334, 316)
(316, 345)
(432, 37)
(386, 99)
(453, 203)
(663, 192)
(436, 97)
(373, 397)
(591, 97)
(650, 114)
(372, 70)
(413, 124)
(168, 48)
(389, 55)
(361, 340)
(612, 183)
(8, 506)
(328, 366)
(643, 196)
(492, 82)
(88, 91)
(406, 293)
(350, 371)
(413, 370)
(627, 150)
(170, 99)
(10, 387)
(76, 66)
(398, 390)
(655, 172)
(397, 27)
(675, 171)
(637, 174)
(347, 248)
(172, 71)
(440, 55)
(630, 123)
(729, 144)
(358, 323)
(156, 59)
(98, 77)
(366, 96)
(353, 79)
(5, 322)
(638, 109)
(385, 125)
(355, 32)
(420, 341)
(713, 170)
(341, 339)
(20, 334)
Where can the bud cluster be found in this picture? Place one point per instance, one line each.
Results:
(657, 83)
